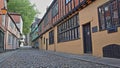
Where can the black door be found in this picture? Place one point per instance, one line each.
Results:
(46, 44)
(87, 38)
(1, 41)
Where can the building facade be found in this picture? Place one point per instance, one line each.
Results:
(12, 33)
(19, 22)
(34, 33)
(9, 32)
(82, 27)
(3, 3)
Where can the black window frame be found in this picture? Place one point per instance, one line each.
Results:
(69, 34)
(55, 9)
(46, 20)
(51, 37)
(103, 25)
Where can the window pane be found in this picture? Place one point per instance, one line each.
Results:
(119, 10)
(67, 1)
(78, 33)
(108, 16)
(69, 24)
(3, 20)
(51, 37)
(72, 22)
(55, 9)
(115, 19)
(77, 19)
(101, 17)
(65, 25)
(70, 34)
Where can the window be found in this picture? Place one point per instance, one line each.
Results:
(3, 20)
(5, 3)
(13, 40)
(119, 6)
(102, 19)
(70, 31)
(46, 20)
(40, 27)
(51, 37)
(11, 24)
(55, 9)
(67, 1)
(114, 12)
(44, 40)
(108, 15)
(9, 39)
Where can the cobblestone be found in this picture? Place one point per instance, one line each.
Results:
(31, 58)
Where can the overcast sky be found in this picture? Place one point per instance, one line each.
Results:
(41, 5)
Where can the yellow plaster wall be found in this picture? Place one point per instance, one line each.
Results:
(73, 47)
(99, 39)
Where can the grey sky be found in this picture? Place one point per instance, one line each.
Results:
(41, 5)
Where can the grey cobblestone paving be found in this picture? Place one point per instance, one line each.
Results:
(31, 58)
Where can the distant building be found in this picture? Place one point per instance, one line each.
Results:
(34, 33)
(19, 22)
(12, 34)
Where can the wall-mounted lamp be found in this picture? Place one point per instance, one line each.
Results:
(4, 11)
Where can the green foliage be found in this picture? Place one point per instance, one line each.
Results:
(27, 11)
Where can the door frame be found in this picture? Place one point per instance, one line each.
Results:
(83, 26)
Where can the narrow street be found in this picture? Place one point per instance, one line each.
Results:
(33, 58)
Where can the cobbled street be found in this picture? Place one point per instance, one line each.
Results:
(33, 58)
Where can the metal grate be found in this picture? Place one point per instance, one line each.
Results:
(112, 51)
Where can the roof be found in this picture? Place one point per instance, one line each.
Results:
(16, 17)
(37, 20)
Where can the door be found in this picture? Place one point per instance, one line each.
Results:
(87, 38)
(1, 41)
(46, 44)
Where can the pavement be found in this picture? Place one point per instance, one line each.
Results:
(27, 57)
(5, 55)
(89, 58)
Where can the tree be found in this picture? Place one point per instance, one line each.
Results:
(26, 10)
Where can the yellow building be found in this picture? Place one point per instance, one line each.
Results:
(82, 27)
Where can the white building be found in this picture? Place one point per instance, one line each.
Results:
(19, 22)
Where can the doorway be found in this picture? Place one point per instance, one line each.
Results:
(46, 44)
(1, 41)
(87, 38)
